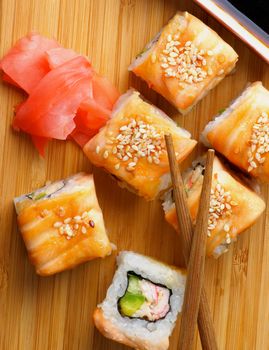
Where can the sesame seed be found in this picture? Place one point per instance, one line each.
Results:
(84, 215)
(105, 155)
(226, 228)
(221, 72)
(91, 223)
(184, 63)
(220, 207)
(83, 230)
(138, 139)
(67, 220)
(210, 53)
(44, 213)
(77, 218)
(61, 211)
(97, 150)
(258, 142)
(68, 230)
(57, 224)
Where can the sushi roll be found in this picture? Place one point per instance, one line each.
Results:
(233, 205)
(142, 303)
(241, 132)
(184, 61)
(62, 224)
(132, 147)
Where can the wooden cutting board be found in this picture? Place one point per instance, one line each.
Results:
(56, 312)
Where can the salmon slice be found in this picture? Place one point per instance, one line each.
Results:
(241, 132)
(184, 61)
(138, 159)
(62, 224)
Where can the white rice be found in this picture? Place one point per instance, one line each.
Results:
(149, 332)
(168, 202)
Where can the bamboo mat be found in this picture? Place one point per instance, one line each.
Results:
(56, 312)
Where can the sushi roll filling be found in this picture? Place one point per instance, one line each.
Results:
(49, 191)
(195, 174)
(144, 299)
(149, 45)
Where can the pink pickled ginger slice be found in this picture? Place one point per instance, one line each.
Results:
(51, 107)
(26, 63)
(60, 55)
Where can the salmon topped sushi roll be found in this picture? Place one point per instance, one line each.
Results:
(241, 132)
(233, 205)
(184, 61)
(62, 224)
(132, 147)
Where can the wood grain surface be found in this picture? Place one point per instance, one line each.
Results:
(56, 312)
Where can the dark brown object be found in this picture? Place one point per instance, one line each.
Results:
(205, 322)
(195, 276)
(91, 223)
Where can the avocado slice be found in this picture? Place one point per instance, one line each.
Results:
(133, 284)
(40, 196)
(130, 303)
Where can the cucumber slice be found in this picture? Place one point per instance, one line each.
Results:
(40, 196)
(130, 303)
(133, 284)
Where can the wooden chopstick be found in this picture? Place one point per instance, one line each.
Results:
(205, 322)
(195, 276)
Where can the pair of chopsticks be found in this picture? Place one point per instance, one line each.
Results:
(195, 306)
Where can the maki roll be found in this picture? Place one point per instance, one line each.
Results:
(241, 132)
(142, 303)
(184, 61)
(62, 224)
(233, 205)
(132, 147)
